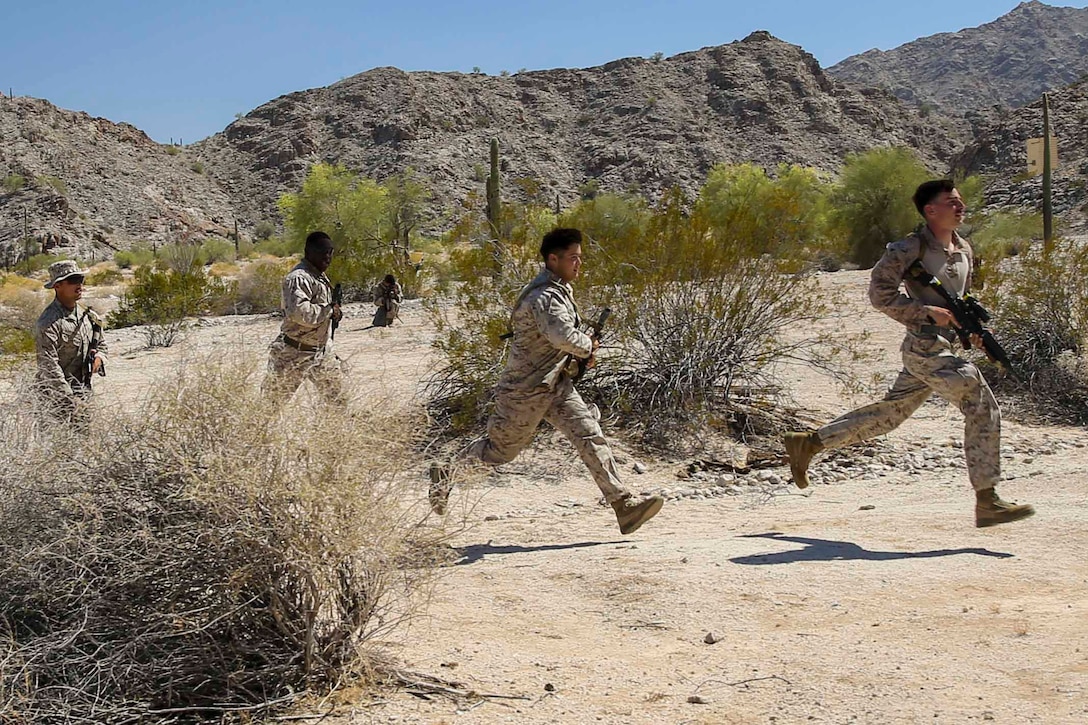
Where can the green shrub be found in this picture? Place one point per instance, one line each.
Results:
(197, 167)
(52, 182)
(13, 183)
(181, 257)
(264, 230)
(279, 247)
(38, 262)
(105, 276)
(162, 299)
(259, 286)
(137, 256)
(173, 150)
(15, 340)
(1040, 316)
(217, 250)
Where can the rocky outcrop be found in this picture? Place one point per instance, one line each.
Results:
(87, 185)
(1009, 62)
(632, 124)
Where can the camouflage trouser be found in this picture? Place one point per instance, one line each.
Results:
(517, 415)
(288, 368)
(930, 367)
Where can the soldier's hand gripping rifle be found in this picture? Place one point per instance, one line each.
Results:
(337, 300)
(595, 334)
(971, 318)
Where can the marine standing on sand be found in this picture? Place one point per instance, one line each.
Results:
(301, 351)
(387, 296)
(929, 366)
(70, 346)
(536, 385)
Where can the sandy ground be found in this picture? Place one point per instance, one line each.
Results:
(869, 598)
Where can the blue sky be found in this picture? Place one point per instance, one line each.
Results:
(184, 69)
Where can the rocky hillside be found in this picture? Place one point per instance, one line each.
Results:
(631, 124)
(1000, 153)
(87, 184)
(1009, 62)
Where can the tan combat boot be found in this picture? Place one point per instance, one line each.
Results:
(439, 493)
(632, 513)
(990, 510)
(800, 448)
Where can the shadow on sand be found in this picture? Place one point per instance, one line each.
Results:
(830, 550)
(475, 552)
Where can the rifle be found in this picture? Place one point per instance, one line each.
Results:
(337, 299)
(970, 316)
(596, 328)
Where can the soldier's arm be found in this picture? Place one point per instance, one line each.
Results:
(886, 280)
(556, 323)
(298, 295)
(50, 375)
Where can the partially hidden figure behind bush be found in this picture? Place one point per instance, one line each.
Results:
(70, 346)
(536, 385)
(929, 366)
(387, 296)
(301, 351)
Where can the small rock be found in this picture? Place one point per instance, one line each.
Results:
(698, 700)
(866, 507)
(549, 687)
(640, 467)
(711, 638)
(491, 517)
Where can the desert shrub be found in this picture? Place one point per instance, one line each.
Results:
(162, 299)
(52, 182)
(280, 247)
(260, 285)
(15, 341)
(264, 230)
(783, 216)
(173, 150)
(223, 269)
(696, 326)
(217, 250)
(181, 257)
(871, 205)
(1040, 316)
(197, 167)
(999, 234)
(134, 257)
(105, 276)
(13, 183)
(198, 557)
(38, 262)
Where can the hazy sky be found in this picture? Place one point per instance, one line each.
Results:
(184, 69)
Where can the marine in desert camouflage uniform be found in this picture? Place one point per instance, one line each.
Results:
(929, 365)
(70, 346)
(301, 351)
(536, 385)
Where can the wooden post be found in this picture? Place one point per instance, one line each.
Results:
(1048, 211)
(26, 239)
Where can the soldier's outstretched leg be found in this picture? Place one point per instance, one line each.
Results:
(581, 425)
(904, 397)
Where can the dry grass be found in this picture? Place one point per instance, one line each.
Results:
(199, 557)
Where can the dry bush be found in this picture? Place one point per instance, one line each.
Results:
(1040, 311)
(197, 557)
(260, 284)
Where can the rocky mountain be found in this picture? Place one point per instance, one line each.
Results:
(642, 124)
(88, 185)
(1009, 62)
(633, 124)
(1000, 154)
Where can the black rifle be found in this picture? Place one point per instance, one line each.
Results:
(971, 318)
(337, 299)
(596, 328)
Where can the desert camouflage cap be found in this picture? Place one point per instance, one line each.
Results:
(62, 270)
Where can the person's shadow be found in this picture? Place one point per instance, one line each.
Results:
(473, 553)
(830, 550)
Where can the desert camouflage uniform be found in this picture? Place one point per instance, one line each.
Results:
(388, 299)
(928, 363)
(63, 339)
(302, 349)
(536, 385)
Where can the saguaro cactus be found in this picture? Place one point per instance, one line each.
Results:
(494, 200)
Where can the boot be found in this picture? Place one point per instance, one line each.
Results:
(990, 510)
(800, 448)
(632, 513)
(439, 493)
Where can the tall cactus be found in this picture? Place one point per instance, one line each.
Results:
(494, 200)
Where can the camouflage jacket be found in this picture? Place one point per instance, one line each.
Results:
(307, 305)
(546, 335)
(953, 269)
(63, 340)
